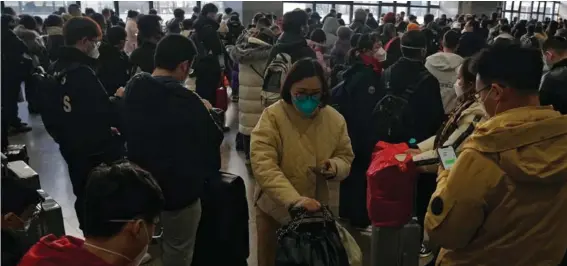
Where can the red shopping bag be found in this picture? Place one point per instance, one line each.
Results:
(222, 96)
(390, 185)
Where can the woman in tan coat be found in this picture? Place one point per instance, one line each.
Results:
(297, 147)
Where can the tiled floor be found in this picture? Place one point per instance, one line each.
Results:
(47, 161)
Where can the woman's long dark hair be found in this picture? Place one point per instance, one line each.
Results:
(468, 73)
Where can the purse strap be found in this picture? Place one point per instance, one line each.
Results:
(301, 216)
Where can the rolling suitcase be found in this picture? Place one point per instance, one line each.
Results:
(400, 243)
(392, 246)
(21, 170)
(49, 220)
(223, 235)
(17, 152)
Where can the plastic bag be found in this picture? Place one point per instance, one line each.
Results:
(390, 185)
(310, 241)
(351, 247)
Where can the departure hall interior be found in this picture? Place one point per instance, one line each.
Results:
(45, 156)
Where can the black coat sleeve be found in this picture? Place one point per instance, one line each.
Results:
(429, 108)
(211, 39)
(209, 133)
(552, 92)
(97, 100)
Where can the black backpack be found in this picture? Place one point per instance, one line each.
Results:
(50, 97)
(391, 118)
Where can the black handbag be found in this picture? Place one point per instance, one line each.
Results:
(310, 240)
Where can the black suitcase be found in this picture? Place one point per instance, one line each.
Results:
(17, 152)
(21, 170)
(49, 221)
(224, 223)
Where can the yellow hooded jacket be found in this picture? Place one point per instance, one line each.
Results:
(504, 202)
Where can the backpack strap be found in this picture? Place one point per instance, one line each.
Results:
(410, 90)
(257, 72)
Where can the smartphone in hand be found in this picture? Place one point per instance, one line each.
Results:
(447, 156)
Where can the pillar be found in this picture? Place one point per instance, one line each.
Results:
(249, 8)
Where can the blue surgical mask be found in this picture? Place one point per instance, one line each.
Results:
(306, 104)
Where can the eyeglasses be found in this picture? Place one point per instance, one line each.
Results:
(477, 93)
(158, 232)
(304, 96)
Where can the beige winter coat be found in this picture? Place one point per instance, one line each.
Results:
(252, 58)
(283, 148)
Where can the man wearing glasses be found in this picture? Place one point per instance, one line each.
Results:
(81, 116)
(504, 200)
(122, 207)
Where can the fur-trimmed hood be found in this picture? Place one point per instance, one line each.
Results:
(252, 49)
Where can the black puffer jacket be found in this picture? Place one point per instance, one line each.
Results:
(143, 57)
(293, 44)
(553, 89)
(84, 126)
(170, 133)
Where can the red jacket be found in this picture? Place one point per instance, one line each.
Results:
(67, 250)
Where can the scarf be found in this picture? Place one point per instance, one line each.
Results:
(371, 61)
(54, 31)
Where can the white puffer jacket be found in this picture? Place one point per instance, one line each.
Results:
(252, 57)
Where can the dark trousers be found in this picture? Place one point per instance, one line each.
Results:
(352, 198)
(10, 94)
(79, 167)
(246, 144)
(31, 94)
(426, 185)
(207, 85)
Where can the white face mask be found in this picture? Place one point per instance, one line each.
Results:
(134, 262)
(380, 55)
(93, 52)
(458, 88)
(481, 102)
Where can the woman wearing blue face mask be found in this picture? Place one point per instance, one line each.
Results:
(299, 147)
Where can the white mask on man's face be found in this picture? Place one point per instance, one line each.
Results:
(138, 259)
(458, 88)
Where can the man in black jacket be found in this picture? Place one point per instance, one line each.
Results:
(292, 41)
(114, 65)
(211, 63)
(359, 23)
(170, 133)
(13, 73)
(553, 90)
(426, 113)
(173, 26)
(86, 125)
(149, 34)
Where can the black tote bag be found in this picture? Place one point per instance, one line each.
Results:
(310, 240)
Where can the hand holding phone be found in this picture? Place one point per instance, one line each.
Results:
(447, 156)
